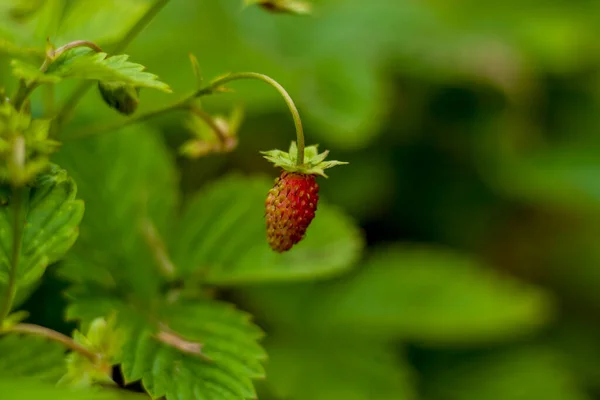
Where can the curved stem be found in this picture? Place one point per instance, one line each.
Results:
(74, 44)
(11, 287)
(53, 55)
(217, 83)
(50, 334)
(214, 86)
(25, 89)
(82, 89)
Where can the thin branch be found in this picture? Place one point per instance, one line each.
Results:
(50, 334)
(219, 82)
(187, 104)
(54, 54)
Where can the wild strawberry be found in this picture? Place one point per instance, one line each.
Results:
(291, 206)
(292, 202)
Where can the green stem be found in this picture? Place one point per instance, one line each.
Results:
(25, 89)
(50, 334)
(186, 104)
(53, 55)
(82, 89)
(11, 287)
(217, 83)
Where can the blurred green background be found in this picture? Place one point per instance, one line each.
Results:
(471, 129)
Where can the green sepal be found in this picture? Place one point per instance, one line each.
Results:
(103, 339)
(314, 162)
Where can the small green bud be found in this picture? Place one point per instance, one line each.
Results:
(123, 98)
(103, 339)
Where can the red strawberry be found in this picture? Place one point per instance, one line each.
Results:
(292, 202)
(290, 208)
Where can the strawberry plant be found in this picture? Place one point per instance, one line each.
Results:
(144, 302)
(168, 229)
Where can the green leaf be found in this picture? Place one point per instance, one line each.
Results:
(207, 349)
(126, 179)
(324, 368)
(51, 216)
(433, 295)
(230, 356)
(84, 63)
(524, 372)
(221, 236)
(89, 302)
(21, 389)
(33, 357)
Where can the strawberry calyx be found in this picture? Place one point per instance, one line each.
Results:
(314, 162)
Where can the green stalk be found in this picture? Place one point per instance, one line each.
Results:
(53, 55)
(217, 83)
(52, 335)
(214, 86)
